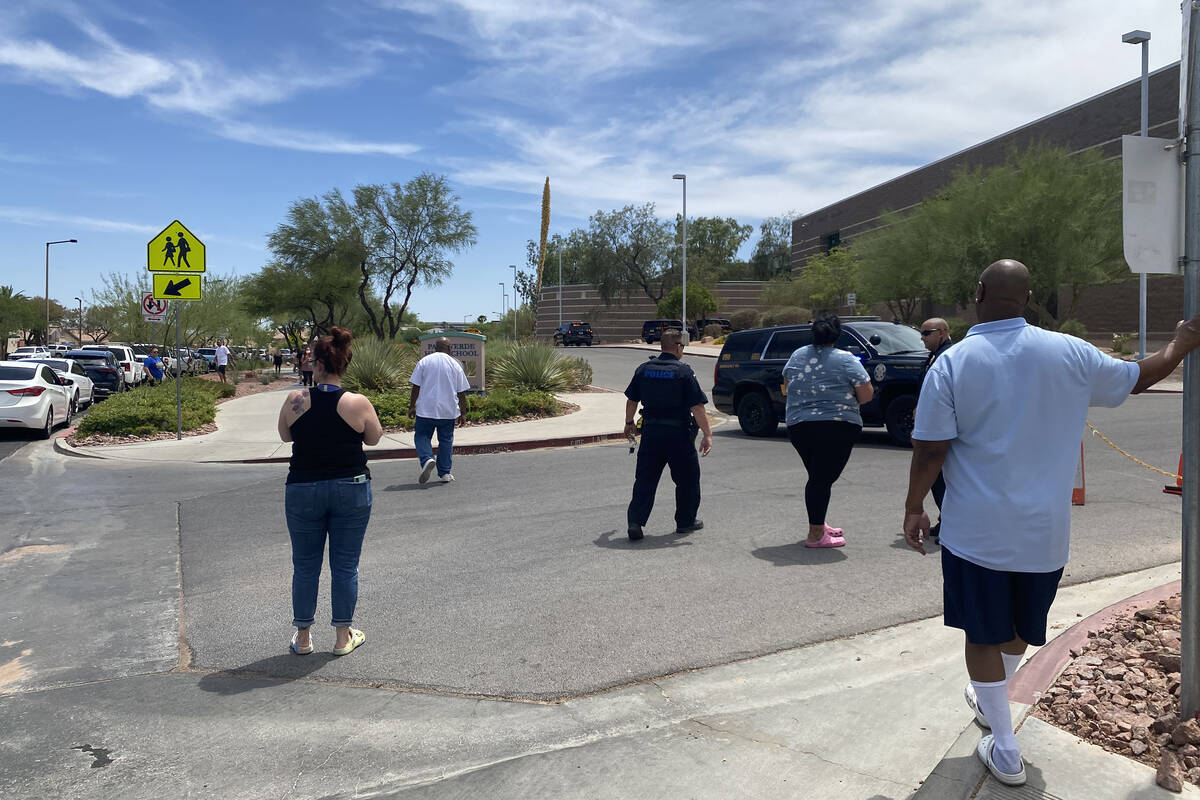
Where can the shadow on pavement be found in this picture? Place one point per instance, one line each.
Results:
(264, 673)
(413, 487)
(614, 541)
(797, 555)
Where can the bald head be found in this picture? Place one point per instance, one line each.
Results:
(442, 345)
(1003, 290)
(934, 331)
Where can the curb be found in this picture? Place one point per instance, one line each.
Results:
(959, 775)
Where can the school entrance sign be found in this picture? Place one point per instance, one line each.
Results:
(175, 249)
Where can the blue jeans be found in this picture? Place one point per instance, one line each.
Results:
(423, 428)
(339, 509)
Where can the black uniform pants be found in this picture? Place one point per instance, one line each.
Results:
(666, 445)
(824, 447)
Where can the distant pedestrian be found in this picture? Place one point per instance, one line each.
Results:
(154, 366)
(277, 358)
(935, 335)
(672, 412)
(328, 493)
(825, 387)
(438, 402)
(1003, 412)
(221, 359)
(306, 367)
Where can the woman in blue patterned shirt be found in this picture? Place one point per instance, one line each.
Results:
(825, 387)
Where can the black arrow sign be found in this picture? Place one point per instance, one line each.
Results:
(173, 287)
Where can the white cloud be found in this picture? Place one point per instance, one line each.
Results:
(310, 141)
(35, 217)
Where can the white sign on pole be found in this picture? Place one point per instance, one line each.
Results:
(153, 310)
(1152, 204)
(852, 299)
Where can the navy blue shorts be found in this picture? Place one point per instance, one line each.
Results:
(995, 607)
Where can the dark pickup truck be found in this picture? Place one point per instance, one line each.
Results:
(576, 333)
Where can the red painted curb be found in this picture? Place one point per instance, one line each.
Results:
(1044, 667)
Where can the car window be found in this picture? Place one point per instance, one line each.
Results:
(48, 375)
(739, 346)
(892, 338)
(16, 373)
(784, 343)
(76, 369)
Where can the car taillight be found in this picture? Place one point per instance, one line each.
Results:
(28, 391)
(106, 371)
(125, 365)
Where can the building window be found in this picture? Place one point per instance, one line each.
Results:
(833, 240)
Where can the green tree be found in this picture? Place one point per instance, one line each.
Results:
(700, 302)
(827, 278)
(712, 248)
(14, 315)
(99, 321)
(627, 252)
(773, 251)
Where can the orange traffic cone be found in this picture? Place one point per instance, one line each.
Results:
(1079, 492)
(1178, 487)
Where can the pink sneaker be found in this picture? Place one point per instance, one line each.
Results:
(826, 540)
(833, 531)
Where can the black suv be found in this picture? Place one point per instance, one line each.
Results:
(575, 333)
(748, 379)
(652, 329)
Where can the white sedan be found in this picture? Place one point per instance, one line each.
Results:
(33, 396)
(70, 370)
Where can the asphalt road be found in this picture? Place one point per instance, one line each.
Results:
(613, 366)
(516, 581)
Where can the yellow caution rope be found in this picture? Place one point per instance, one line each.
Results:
(1132, 458)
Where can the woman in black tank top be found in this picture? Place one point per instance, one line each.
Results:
(328, 493)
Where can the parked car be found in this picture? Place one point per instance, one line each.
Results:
(209, 354)
(103, 368)
(82, 387)
(32, 396)
(748, 377)
(726, 328)
(132, 370)
(652, 329)
(573, 333)
(31, 351)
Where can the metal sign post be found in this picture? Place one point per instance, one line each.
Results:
(1189, 700)
(178, 381)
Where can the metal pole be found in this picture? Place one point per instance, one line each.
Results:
(1190, 634)
(178, 381)
(685, 316)
(1145, 129)
(503, 301)
(46, 341)
(514, 269)
(560, 286)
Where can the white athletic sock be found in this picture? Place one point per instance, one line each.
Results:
(1011, 662)
(993, 702)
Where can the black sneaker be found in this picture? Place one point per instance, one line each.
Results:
(635, 532)
(696, 525)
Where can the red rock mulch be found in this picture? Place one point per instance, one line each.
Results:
(1121, 692)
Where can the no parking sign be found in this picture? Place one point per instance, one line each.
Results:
(153, 310)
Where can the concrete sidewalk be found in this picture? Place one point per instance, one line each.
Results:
(246, 433)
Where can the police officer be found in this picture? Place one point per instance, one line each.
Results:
(672, 409)
(935, 335)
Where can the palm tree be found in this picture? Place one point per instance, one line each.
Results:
(10, 311)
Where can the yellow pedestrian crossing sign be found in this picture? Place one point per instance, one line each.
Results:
(172, 286)
(175, 249)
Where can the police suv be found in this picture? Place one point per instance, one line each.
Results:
(748, 379)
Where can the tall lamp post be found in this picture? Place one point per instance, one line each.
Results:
(679, 176)
(60, 241)
(503, 300)
(514, 269)
(560, 286)
(80, 301)
(1142, 38)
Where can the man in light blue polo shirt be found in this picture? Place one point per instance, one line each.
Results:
(1002, 414)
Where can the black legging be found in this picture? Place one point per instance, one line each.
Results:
(824, 447)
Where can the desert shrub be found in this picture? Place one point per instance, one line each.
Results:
(152, 409)
(1122, 341)
(712, 330)
(786, 315)
(392, 407)
(745, 319)
(409, 335)
(1073, 327)
(496, 406)
(719, 340)
(958, 328)
(581, 373)
(531, 367)
(379, 365)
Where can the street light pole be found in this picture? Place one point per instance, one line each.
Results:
(560, 286)
(60, 241)
(1142, 38)
(503, 300)
(514, 269)
(681, 177)
(80, 301)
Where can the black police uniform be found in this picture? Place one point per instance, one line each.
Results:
(939, 484)
(667, 389)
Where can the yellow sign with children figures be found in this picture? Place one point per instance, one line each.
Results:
(175, 249)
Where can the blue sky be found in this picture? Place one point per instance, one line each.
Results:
(123, 115)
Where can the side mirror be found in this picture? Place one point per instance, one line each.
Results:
(875, 339)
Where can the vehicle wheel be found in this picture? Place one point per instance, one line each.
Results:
(73, 407)
(899, 418)
(48, 428)
(756, 416)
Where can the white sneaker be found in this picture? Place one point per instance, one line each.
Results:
(447, 478)
(984, 751)
(426, 470)
(973, 702)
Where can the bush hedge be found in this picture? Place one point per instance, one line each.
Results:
(745, 319)
(152, 409)
(497, 405)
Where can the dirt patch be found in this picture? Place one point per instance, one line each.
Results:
(18, 553)
(1121, 692)
(14, 670)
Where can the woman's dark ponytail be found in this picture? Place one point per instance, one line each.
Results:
(333, 351)
(826, 330)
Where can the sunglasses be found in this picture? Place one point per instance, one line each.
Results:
(928, 333)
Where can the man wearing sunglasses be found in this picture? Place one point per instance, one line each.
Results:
(935, 335)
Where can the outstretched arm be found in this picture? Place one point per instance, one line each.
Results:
(1156, 366)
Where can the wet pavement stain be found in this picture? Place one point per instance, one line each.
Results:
(31, 549)
(13, 671)
(99, 755)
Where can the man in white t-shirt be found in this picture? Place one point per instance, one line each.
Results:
(438, 401)
(1002, 414)
(221, 359)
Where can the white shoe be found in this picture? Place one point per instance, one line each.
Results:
(447, 478)
(984, 751)
(973, 702)
(426, 470)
